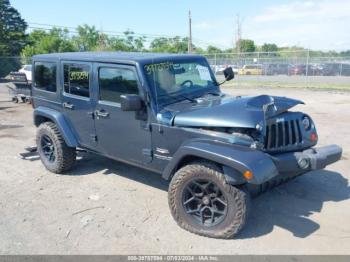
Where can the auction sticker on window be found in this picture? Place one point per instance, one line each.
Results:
(204, 73)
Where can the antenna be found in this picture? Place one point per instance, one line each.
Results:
(189, 32)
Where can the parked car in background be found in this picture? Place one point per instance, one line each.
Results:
(297, 70)
(336, 69)
(276, 69)
(345, 69)
(27, 70)
(251, 70)
(314, 69)
(310, 70)
(219, 69)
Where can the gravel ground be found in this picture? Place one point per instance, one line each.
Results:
(105, 207)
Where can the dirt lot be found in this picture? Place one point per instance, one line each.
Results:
(105, 207)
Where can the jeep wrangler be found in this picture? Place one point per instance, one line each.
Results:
(166, 113)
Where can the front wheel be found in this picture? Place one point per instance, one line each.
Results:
(202, 202)
(54, 153)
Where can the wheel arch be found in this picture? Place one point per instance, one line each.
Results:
(232, 176)
(43, 114)
(233, 159)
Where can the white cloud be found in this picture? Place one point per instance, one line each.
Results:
(316, 24)
(325, 9)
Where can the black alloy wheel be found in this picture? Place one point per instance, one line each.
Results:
(204, 202)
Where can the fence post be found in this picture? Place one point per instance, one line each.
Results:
(307, 62)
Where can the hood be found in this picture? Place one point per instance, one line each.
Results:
(243, 112)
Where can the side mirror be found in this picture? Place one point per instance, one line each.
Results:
(131, 102)
(229, 74)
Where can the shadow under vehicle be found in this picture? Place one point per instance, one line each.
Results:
(167, 114)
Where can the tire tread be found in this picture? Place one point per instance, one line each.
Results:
(240, 196)
(66, 155)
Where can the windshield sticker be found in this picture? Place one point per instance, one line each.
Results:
(152, 68)
(77, 76)
(204, 73)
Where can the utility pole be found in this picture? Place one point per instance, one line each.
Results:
(189, 32)
(101, 40)
(238, 34)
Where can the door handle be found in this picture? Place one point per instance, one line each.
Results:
(68, 105)
(101, 113)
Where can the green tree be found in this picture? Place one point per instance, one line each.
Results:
(128, 42)
(12, 37)
(245, 45)
(87, 38)
(213, 50)
(269, 47)
(170, 45)
(345, 53)
(41, 42)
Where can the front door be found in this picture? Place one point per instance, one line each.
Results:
(78, 106)
(120, 134)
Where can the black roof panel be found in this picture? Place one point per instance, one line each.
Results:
(128, 57)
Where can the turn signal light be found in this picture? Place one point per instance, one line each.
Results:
(248, 175)
(313, 137)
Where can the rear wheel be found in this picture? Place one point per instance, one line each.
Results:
(56, 156)
(202, 202)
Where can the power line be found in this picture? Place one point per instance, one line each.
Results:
(105, 31)
(73, 30)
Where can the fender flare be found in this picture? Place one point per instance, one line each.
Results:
(59, 120)
(235, 159)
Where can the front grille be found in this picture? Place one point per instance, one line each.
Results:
(283, 135)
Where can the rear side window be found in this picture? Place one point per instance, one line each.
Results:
(114, 82)
(45, 76)
(77, 79)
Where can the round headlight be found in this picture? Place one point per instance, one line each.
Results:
(306, 121)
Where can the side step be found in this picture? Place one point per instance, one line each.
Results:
(31, 151)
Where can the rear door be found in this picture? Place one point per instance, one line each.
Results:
(78, 105)
(121, 135)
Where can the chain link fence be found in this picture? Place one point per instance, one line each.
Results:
(302, 63)
(297, 68)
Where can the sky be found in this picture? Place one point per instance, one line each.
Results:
(314, 24)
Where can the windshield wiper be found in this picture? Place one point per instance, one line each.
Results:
(187, 98)
(180, 95)
(214, 93)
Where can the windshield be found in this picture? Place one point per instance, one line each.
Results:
(175, 81)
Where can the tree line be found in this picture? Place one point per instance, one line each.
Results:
(15, 41)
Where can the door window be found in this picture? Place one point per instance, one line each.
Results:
(45, 76)
(114, 82)
(77, 80)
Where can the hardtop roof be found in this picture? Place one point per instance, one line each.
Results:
(126, 57)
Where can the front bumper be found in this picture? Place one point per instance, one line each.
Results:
(310, 159)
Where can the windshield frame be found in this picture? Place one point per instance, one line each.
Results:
(181, 97)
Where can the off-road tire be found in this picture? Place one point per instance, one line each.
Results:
(65, 155)
(238, 201)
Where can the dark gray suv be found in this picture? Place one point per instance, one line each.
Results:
(166, 113)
